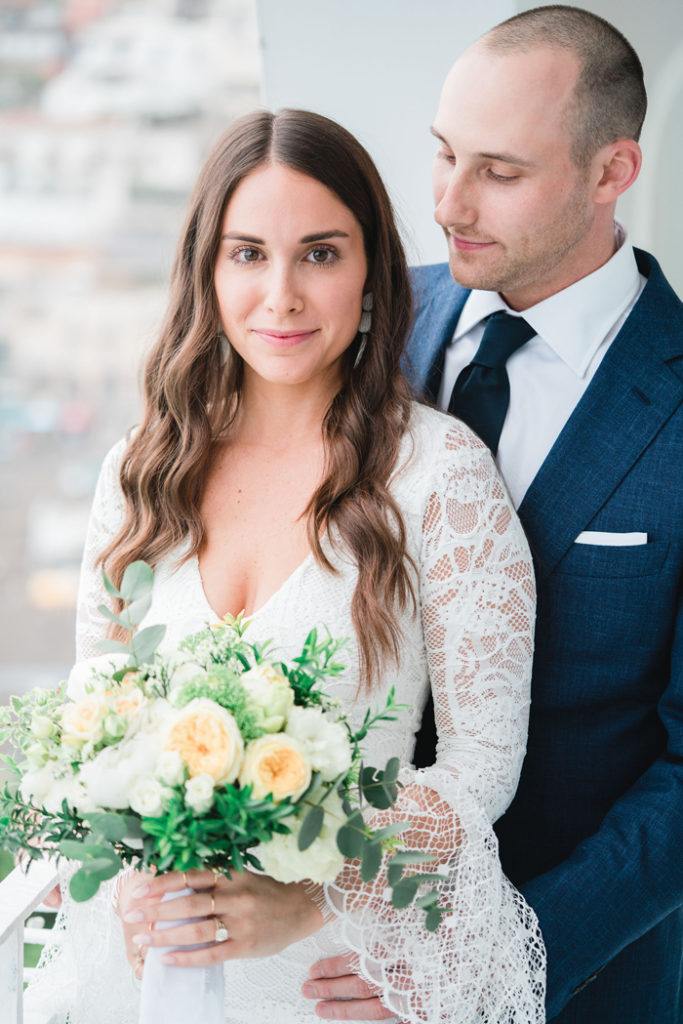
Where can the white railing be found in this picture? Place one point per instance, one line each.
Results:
(20, 896)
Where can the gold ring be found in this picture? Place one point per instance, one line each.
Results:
(187, 884)
(213, 903)
(217, 873)
(222, 934)
(150, 927)
(139, 961)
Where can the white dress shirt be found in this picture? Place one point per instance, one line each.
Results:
(549, 374)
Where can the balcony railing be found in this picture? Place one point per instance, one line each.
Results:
(21, 895)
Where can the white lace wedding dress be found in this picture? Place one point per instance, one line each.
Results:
(471, 639)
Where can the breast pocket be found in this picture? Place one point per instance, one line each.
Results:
(604, 561)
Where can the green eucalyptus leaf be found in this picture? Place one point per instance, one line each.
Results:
(391, 830)
(137, 581)
(138, 609)
(370, 860)
(392, 769)
(109, 586)
(145, 643)
(403, 893)
(112, 647)
(351, 836)
(381, 796)
(83, 885)
(78, 850)
(110, 826)
(433, 919)
(102, 868)
(394, 872)
(412, 857)
(112, 616)
(310, 829)
(428, 899)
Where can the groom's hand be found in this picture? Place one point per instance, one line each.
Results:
(342, 994)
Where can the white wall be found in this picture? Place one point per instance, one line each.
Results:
(377, 67)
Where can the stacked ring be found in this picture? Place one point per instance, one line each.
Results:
(222, 934)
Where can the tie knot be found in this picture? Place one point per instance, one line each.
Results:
(503, 335)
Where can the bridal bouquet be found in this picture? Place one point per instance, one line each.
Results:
(217, 756)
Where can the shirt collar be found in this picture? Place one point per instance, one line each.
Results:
(576, 320)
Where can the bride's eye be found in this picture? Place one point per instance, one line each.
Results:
(322, 255)
(245, 254)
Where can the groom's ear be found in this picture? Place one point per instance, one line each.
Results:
(614, 168)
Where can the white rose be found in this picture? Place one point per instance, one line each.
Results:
(282, 859)
(269, 694)
(82, 721)
(185, 672)
(276, 764)
(199, 793)
(83, 679)
(43, 789)
(171, 768)
(36, 754)
(41, 726)
(326, 742)
(110, 776)
(146, 797)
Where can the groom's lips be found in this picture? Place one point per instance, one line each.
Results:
(466, 245)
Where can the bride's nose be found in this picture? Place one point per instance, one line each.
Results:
(283, 296)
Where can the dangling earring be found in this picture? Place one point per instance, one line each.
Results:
(364, 327)
(225, 346)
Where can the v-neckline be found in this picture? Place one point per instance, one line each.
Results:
(194, 561)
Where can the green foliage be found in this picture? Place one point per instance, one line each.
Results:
(222, 686)
(222, 838)
(136, 597)
(312, 667)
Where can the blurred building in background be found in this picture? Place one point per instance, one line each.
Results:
(107, 110)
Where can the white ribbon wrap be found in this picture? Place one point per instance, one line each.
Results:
(176, 995)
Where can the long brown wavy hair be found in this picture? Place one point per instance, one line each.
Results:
(191, 396)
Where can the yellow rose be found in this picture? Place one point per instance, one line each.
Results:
(208, 739)
(276, 764)
(82, 720)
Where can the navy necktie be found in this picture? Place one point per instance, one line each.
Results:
(481, 393)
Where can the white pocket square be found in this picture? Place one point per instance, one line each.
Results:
(611, 539)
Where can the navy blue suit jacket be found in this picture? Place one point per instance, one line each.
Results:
(594, 836)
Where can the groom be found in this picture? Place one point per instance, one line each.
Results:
(536, 131)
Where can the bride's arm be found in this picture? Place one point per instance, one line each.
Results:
(477, 606)
(106, 517)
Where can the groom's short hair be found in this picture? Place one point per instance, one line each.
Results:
(609, 101)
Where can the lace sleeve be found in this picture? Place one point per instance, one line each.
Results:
(106, 518)
(486, 962)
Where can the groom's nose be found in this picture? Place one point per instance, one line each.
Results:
(454, 198)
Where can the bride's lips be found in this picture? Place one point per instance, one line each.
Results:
(284, 339)
(465, 245)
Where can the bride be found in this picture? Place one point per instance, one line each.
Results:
(282, 468)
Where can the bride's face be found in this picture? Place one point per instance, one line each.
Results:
(289, 278)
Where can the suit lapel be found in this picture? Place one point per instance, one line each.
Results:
(439, 302)
(631, 396)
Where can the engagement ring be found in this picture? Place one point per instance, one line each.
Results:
(222, 933)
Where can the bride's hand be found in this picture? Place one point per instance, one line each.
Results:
(261, 916)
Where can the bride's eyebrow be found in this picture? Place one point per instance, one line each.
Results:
(319, 236)
(322, 236)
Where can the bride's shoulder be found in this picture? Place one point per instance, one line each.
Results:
(110, 469)
(436, 438)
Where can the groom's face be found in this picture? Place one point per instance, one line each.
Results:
(515, 209)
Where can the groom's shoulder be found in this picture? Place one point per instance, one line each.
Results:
(434, 279)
